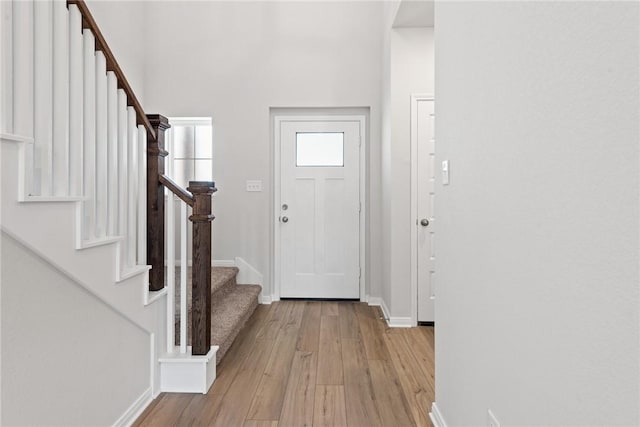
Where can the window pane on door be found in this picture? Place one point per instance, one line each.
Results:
(320, 149)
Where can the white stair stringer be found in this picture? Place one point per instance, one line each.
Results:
(50, 230)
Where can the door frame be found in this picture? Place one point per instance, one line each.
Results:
(415, 98)
(278, 119)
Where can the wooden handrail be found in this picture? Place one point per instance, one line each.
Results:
(183, 194)
(112, 65)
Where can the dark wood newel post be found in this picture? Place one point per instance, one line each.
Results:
(155, 200)
(201, 269)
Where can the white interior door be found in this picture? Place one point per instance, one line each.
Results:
(319, 221)
(425, 202)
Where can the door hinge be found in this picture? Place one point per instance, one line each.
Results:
(359, 206)
(359, 273)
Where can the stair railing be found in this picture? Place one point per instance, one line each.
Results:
(64, 87)
(197, 196)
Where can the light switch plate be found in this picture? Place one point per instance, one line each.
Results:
(445, 172)
(254, 185)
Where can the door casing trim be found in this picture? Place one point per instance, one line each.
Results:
(326, 116)
(415, 98)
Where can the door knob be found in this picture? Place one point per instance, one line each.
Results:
(424, 222)
(285, 219)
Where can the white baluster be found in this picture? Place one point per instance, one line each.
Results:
(60, 98)
(122, 164)
(112, 154)
(132, 203)
(89, 133)
(170, 242)
(23, 91)
(23, 68)
(76, 76)
(102, 191)
(142, 195)
(43, 88)
(6, 71)
(183, 277)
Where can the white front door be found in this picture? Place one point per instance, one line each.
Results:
(319, 221)
(425, 202)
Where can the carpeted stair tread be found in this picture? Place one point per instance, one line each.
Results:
(222, 280)
(230, 313)
(221, 276)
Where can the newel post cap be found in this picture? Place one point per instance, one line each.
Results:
(158, 121)
(202, 187)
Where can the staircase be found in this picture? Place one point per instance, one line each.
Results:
(231, 307)
(83, 186)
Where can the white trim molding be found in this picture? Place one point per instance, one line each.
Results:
(400, 322)
(135, 410)
(436, 416)
(265, 299)
(248, 274)
(392, 322)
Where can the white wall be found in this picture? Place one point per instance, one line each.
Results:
(124, 25)
(233, 61)
(67, 358)
(537, 266)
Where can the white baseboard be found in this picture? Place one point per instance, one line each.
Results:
(377, 301)
(392, 322)
(400, 322)
(248, 274)
(436, 416)
(135, 410)
(265, 299)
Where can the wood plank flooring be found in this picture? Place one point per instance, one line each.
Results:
(310, 363)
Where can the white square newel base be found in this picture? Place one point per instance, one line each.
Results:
(186, 373)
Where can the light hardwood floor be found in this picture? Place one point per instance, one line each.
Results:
(300, 363)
